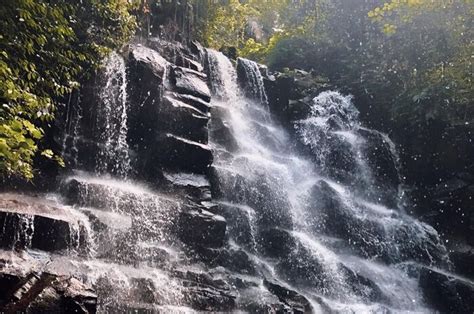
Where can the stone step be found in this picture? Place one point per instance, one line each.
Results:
(122, 197)
(190, 82)
(24, 287)
(182, 155)
(183, 120)
(196, 102)
(447, 292)
(189, 185)
(34, 222)
(202, 228)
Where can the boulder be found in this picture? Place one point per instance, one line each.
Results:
(38, 292)
(191, 100)
(258, 300)
(204, 293)
(220, 129)
(390, 237)
(302, 268)
(463, 261)
(192, 186)
(202, 228)
(234, 260)
(276, 242)
(181, 154)
(445, 292)
(272, 206)
(186, 62)
(33, 222)
(182, 120)
(148, 62)
(363, 286)
(190, 82)
(383, 165)
(294, 300)
(240, 224)
(147, 73)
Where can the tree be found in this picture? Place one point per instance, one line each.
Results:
(46, 48)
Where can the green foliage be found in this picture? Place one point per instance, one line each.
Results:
(433, 40)
(46, 48)
(255, 27)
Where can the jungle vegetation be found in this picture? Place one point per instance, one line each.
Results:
(413, 58)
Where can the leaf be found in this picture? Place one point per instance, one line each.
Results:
(48, 153)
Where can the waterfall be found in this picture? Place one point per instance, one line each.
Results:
(253, 80)
(112, 118)
(328, 231)
(223, 208)
(73, 131)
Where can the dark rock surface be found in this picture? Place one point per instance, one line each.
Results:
(29, 222)
(190, 82)
(200, 227)
(25, 289)
(447, 293)
(296, 302)
(178, 153)
(463, 261)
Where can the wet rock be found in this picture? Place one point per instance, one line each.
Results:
(221, 131)
(52, 235)
(463, 261)
(193, 101)
(182, 120)
(271, 204)
(190, 82)
(47, 293)
(110, 229)
(298, 109)
(30, 222)
(297, 302)
(363, 286)
(186, 62)
(258, 300)
(177, 153)
(191, 186)
(110, 196)
(445, 292)
(382, 164)
(206, 294)
(148, 62)
(146, 71)
(276, 242)
(399, 238)
(232, 259)
(239, 224)
(302, 268)
(202, 228)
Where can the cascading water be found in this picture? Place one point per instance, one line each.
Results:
(254, 81)
(317, 230)
(112, 118)
(345, 151)
(131, 237)
(333, 240)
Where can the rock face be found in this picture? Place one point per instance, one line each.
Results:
(38, 291)
(447, 293)
(190, 82)
(29, 222)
